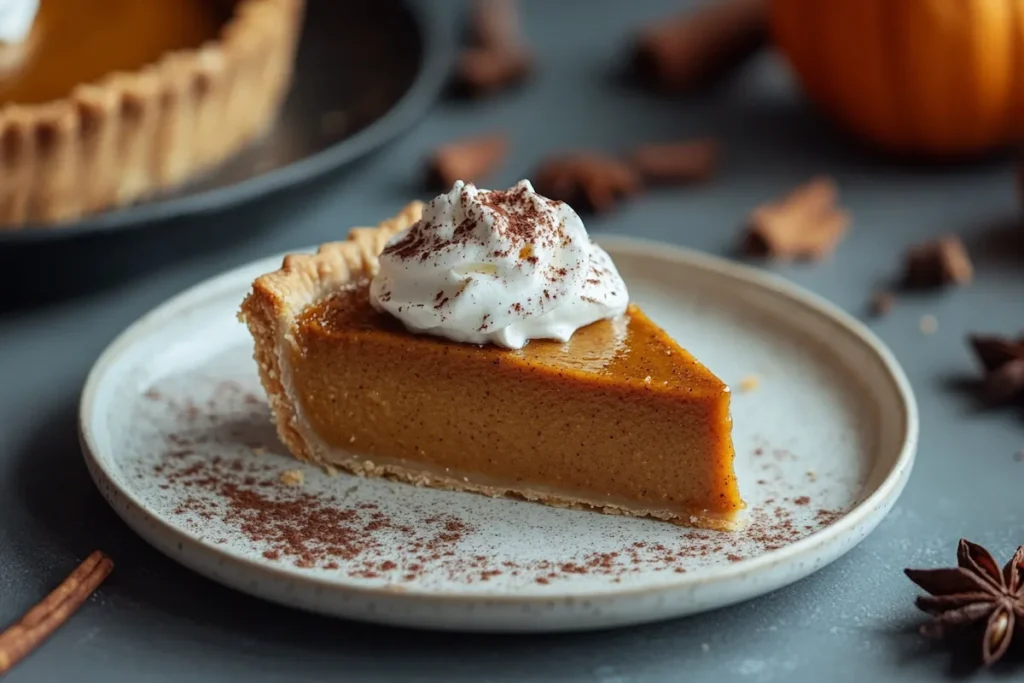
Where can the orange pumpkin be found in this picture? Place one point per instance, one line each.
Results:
(935, 77)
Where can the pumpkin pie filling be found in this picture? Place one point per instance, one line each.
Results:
(81, 41)
(499, 418)
(618, 418)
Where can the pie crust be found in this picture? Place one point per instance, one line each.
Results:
(279, 297)
(134, 134)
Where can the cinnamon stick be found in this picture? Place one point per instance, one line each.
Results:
(678, 163)
(692, 50)
(40, 622)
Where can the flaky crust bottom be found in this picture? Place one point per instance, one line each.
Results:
(270, 310)
(135, 134)
(364, 467)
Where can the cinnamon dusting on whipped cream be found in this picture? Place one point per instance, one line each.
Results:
(497, 266)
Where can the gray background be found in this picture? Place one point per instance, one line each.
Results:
(852, 621)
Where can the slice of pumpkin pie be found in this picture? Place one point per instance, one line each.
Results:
(483, 343)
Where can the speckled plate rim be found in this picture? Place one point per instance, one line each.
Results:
(816, 550)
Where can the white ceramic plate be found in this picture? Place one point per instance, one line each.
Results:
(177, 437)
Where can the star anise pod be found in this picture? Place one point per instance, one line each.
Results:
(976, 591)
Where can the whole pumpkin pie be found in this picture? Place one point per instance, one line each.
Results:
(612, 416)
(105, 102)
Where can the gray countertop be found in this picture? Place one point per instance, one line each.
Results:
(852, 621)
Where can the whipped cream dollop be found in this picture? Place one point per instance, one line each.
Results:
(16, 18)
(497, 266)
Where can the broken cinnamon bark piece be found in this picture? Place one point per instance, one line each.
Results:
(936, 263)
(1005, 384)
(805, 224)
(882, 303)
(693, 50)
(994, 352)
(468, 159)
(495, 24)
(480, 72)
(1003, 362)
(587, 181)
(497, 58)
(678, 163)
